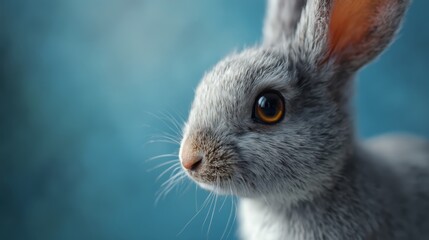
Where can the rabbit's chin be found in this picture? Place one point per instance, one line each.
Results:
(227, 189)
(222, 188)
(216, 189)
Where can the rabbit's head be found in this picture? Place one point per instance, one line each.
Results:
(274, 120)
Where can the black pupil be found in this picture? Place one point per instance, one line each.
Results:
(269, 104)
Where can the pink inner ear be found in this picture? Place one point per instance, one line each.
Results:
(350, 22)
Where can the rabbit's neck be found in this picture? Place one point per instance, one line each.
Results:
(341, 205)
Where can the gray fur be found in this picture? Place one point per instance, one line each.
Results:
(307, 177)
(282, 19)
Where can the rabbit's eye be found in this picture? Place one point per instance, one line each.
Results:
(269, 107)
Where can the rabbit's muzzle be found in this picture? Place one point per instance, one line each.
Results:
(207, 158)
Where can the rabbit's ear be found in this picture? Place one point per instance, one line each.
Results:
(281, 20)
(348, 33)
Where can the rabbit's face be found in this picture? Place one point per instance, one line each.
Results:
(263, 123)
(273, 121)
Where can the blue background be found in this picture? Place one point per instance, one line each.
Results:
(87, 84)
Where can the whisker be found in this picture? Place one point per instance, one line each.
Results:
(186, 188)
(196, 199)
(173, 120)
(162, 156)
(235, 216)
(196, 214)
(208, 212)
(173, 178)
(223, 203)
(175, 165)
(168, 185)
(233, 207)
(162, 141)
(169, 120)
(172, 136)
(162, 164)
(231, 211)
(211, 218)
(166, 137)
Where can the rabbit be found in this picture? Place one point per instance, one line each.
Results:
(273, 125)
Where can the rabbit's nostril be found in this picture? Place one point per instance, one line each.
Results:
(196, 164)
(191, 159)
(192, 162)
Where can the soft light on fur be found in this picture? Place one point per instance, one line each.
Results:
(307, 177)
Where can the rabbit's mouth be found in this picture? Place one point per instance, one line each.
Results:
(212, 176)
(208, 161)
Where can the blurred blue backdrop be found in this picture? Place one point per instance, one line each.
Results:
(86, 84)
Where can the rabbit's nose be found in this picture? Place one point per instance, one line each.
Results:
(190, 158)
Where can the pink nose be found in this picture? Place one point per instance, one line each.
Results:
(190, 158)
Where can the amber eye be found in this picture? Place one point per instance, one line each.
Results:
(269, 107)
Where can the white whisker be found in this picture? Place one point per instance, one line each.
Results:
(168, 185)
(211, 218)
(202, 207)
(208, 212)
(173, 178)
(231, 211)
(163, 164)
(175, 165)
